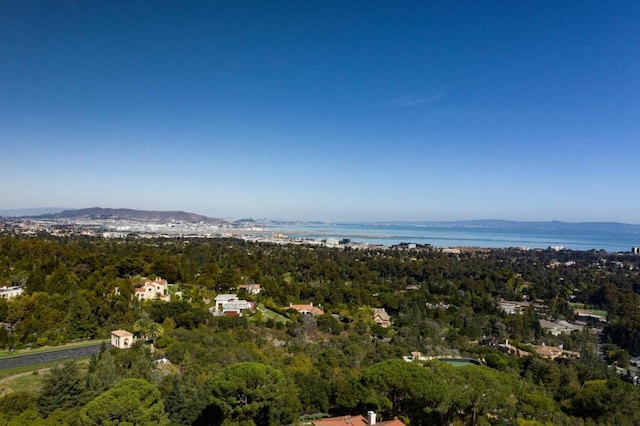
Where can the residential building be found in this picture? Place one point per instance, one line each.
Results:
(236, 307)
(635, 250)
(416, 356)
(229, 304)
(503, 346)
(9, 292)
(222, 299)
(122, 339)
(154, 290)
(513, 307)
(251, 288)
(560, 327)
(381, 317)
(307, 309)
(553, 352)
(356, 421)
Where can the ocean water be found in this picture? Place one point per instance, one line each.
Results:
(466, 236)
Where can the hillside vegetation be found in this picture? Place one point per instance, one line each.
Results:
(278, 366)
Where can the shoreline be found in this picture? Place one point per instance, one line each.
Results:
(337, 235)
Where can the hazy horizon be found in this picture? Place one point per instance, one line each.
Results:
(38, 211)
(329, 111)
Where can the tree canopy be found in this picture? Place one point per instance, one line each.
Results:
(129, 402)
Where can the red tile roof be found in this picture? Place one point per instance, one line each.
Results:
(354, 421)
(313, 310)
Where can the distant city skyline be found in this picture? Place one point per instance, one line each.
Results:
(331, 111)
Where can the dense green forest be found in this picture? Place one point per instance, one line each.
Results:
(279, 367)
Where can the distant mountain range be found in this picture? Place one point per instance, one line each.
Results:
(98, 213)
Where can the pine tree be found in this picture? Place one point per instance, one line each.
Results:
(184, 401)
(61, 388)
(82, 322)
(102, 375)
(130, 401)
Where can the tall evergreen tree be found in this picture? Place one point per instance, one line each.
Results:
(61, 388)
(82, 322)
(102, 374)
(185, 401)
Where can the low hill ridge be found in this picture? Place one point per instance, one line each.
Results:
(131, 214)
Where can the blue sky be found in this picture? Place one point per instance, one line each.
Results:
(324, 110)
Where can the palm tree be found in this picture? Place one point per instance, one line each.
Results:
(141, 327)
(154, 331)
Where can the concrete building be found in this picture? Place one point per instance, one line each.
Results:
(9, 292)
(222, 300)
(122, 339)
(331, 242)
(230, 304)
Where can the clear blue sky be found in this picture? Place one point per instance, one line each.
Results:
(324, 110)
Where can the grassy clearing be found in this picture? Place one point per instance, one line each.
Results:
(30, 382)
(8, 354)
(5, 375)
(268, 313)
(29, 379)
(592, 311)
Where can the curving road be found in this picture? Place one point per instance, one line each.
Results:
(56, 355)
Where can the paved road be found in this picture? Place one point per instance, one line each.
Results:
(57, 355)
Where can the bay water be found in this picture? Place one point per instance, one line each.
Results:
(610, 240)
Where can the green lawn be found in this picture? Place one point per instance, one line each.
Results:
(268, 313)
(30, 382)
(592, 311)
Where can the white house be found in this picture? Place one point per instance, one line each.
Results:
(222, 300)
(10, 292)
(122, 339)
(229, 304)
(513, 307)
(153, 290)
(235, 307)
